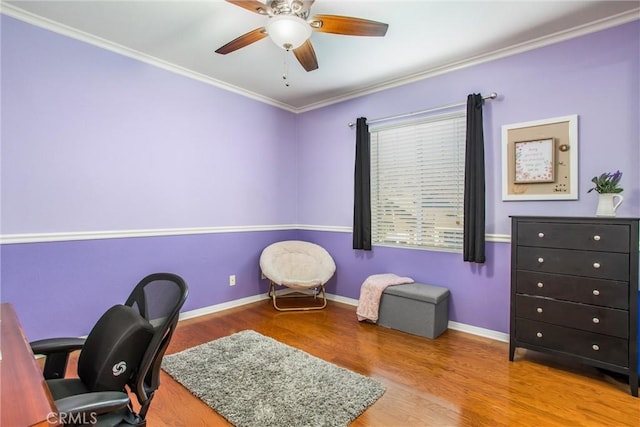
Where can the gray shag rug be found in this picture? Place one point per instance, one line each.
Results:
(254, 380)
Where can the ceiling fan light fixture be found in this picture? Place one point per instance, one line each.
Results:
(288, 31)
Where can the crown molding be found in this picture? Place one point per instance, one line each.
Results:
(603, 24)
(21, 14)
(47, 24)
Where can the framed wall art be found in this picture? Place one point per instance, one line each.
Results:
(540, 159)
(534, 161)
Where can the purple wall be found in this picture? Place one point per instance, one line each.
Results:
(595, 76)
(93, 141)
(62, 288)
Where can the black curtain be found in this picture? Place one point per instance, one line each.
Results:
(362, 189)
(474, 186)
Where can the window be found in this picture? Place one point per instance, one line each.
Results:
(417, 183)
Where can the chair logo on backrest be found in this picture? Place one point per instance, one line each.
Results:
(119, 368)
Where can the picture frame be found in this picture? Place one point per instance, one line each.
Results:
(534, 161)
(540, 159)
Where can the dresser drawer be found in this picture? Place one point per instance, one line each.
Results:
(590, 237)
(606, 265)
(608, 293)
(601, 320)
(573, 341)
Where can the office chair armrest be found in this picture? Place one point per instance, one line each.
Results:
(57, 351)
(56, 345)
(92, 404)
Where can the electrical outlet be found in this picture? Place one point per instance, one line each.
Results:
(232, 280)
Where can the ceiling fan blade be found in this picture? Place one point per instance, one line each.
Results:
(348, 26)
(243, 40)
(252, 5)
(306, 56)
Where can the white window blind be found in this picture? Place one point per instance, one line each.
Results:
(417, 183)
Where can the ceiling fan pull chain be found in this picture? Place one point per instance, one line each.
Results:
(285, 71)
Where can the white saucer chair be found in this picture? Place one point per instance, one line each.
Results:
(302, 267)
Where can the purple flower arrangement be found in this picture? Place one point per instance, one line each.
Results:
(607, 183)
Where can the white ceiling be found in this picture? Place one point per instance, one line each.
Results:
(425, 37)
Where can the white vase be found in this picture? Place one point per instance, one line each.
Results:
(608, 203)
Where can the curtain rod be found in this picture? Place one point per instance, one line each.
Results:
(493, 95)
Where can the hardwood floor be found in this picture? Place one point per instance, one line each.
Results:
(455, 380)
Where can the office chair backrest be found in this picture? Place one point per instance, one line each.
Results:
(158, 298)
(114, 348)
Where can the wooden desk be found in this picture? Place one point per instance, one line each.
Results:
(25, 397)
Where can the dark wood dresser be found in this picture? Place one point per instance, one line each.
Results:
(574, 290)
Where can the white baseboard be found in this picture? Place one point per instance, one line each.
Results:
(482, 332)
(220, 307)
(456, 326)
(248, 300)
(344, 300)
(473, 330)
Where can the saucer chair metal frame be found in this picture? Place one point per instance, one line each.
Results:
(302, 267)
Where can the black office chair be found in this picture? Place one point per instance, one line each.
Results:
(124, 348)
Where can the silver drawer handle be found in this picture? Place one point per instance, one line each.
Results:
(596, 320)
(596, 237)
(539, 309)
(541, 235)
(539, 334)
(596, 265)
(596, 347)
(540, 285)
(596, 292)
(540, 260)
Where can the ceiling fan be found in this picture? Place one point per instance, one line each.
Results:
(290, 27)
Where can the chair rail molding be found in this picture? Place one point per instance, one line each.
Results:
(18, 238)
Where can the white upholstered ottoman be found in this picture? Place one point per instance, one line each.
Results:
(415, 308)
